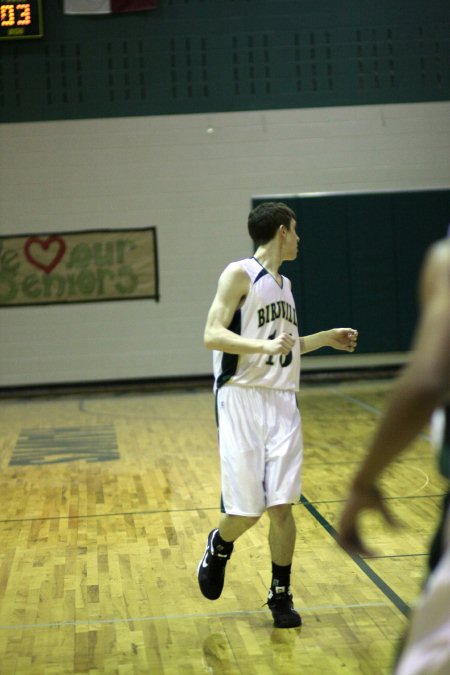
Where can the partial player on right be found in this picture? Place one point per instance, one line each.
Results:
(423, 388)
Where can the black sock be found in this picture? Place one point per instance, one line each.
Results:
(281, 575)
(221, 545)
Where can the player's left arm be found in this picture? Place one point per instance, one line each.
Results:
(344, 339)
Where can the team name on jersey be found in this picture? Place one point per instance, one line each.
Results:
(275, 310)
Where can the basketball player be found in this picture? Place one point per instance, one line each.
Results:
(423, 386)
(253, 329)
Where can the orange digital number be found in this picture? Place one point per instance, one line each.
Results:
(7, 15)
(24, 14)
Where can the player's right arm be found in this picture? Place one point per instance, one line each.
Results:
(232, 289)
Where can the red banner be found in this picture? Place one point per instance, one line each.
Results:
(107, 6)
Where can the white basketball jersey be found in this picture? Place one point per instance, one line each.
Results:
(268, 311)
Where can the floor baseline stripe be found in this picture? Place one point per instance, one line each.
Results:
(180, 617)
(368, 571)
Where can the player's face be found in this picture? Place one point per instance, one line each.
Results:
(291, 242)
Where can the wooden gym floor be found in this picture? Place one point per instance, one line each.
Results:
(106, 501)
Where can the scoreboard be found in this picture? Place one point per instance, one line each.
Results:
(20, 19)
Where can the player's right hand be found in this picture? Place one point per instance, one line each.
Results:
(282, 344)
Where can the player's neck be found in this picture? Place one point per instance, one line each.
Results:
(269, 258)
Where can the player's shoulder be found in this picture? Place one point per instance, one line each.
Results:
(440, 250)
(436, 269)
(235, 273)
(239, 268)
(437, 258)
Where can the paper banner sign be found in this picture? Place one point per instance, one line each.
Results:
(89, 266)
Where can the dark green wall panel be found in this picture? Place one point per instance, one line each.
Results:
(374, 294)
(419, 218)
(359, 261)
(324, 262)
(226, 55)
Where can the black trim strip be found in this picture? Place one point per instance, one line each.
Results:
(229, 363)
(260, 275)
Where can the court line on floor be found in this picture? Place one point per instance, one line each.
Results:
(115, 514)
(153, 512)
(143, 415)
(369, 407)
(364, 567)
(175, 617)
(361, 404)
(398, 602)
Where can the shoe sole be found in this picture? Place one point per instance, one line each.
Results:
(290, 625)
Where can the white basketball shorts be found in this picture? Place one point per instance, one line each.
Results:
(261, 448)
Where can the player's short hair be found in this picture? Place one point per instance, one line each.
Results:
(265, 219)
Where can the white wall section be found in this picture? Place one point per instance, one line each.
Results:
(193, 177)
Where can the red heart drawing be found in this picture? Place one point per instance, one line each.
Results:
(44, 244)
